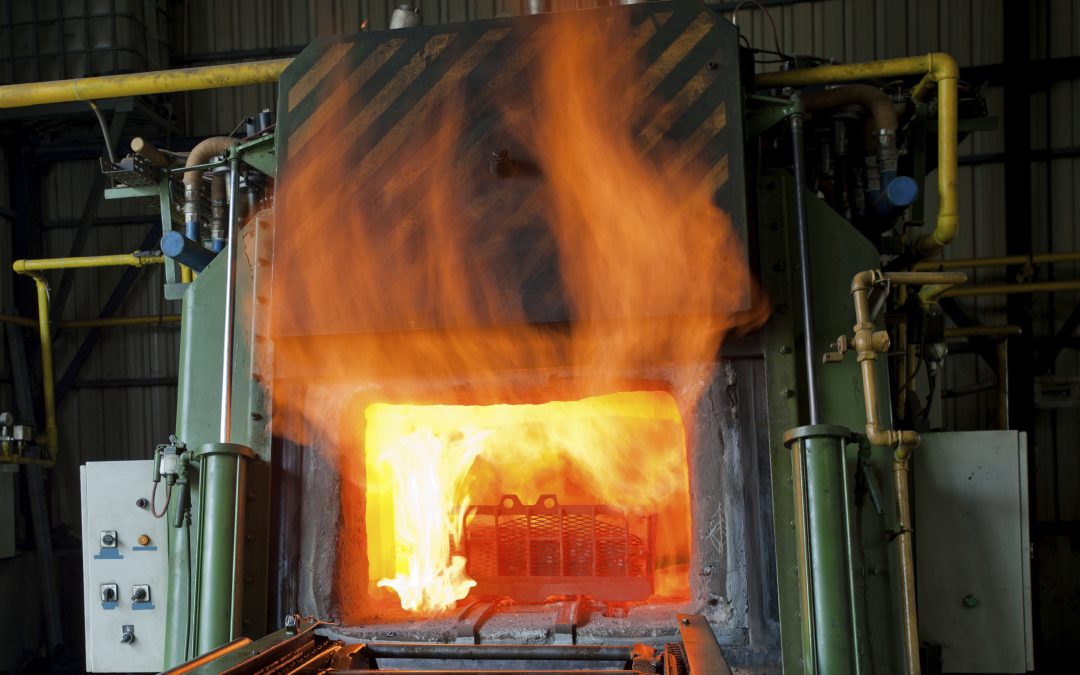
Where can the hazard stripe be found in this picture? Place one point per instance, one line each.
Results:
(406, 125)
(332, 105)
(317, 72)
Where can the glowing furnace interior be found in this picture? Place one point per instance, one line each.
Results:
(527, 501)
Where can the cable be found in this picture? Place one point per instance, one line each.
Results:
(104, 131)
(153, 500)
(765, 10)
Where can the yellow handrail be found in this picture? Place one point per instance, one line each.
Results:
(34, 269)
(141, 84)
(939, 70)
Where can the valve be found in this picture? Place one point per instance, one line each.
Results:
(839, 348)
(128, 634)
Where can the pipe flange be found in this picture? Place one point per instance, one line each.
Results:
(237, 449)
(792, 436)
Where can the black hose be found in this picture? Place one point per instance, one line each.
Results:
(104, 131)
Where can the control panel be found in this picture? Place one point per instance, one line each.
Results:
(124, 567)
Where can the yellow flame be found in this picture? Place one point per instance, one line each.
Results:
(429, 507)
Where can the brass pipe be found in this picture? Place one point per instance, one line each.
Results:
(999, 261)
(907, 564)
(983, 331)
(868, 343)
(939, 71)
(925, 278)
(141, 84)
(34, 269)
(1013, 289)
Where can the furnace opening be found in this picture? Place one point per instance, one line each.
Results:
(527, 501)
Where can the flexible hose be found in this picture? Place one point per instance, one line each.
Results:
(153, 500)
(104, 131)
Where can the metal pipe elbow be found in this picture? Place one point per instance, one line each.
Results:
(873, 99)
(865, 280)
(203, 153)
(942, 66)
(945, 229)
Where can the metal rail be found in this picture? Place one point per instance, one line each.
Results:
(423, 650)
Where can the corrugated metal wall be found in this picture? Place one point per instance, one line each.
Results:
(1055, 179)
(115, 422)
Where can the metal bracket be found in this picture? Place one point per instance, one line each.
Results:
(703, 653)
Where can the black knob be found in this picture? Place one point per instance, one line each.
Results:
(139, 595)
(108, 595)
(127, 638)
(108, 539)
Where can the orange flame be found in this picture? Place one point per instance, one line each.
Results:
(652, 271)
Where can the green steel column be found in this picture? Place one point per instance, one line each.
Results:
(223, 473)
(818, 450)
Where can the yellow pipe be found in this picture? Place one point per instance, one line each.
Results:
(34, 269)
(52, 442)
(19, 459)
(940, 71)
(141, 84)
(117, 260)
(999, 261)
(120, 321)
(1013, 289)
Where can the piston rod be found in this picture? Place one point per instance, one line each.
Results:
(233, 243)
(802, 232)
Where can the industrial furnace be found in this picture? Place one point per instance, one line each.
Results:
(500, 352)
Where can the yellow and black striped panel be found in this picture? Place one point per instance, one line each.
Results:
(364, 119)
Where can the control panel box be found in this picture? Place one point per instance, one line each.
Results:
(973, 550)
(124, 567)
